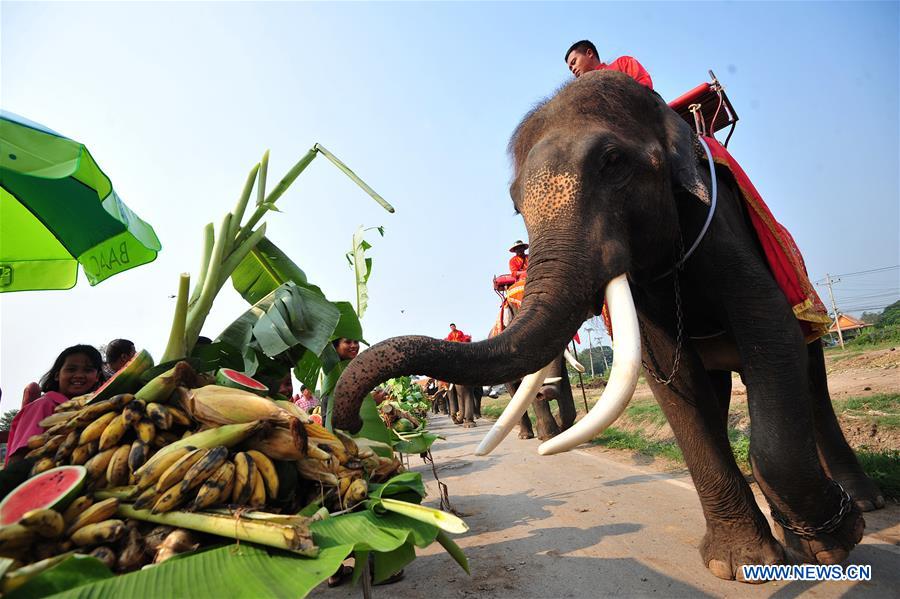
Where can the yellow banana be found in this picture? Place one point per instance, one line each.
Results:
(113, 433)
(45, 522)
(132, 556)
(343, 485)
(93, 431)
(36, 441)
(349, 444)
(15, 537)
(42, 465)
(92, 411)
(258, 495)
(101, 532)
(133, 412)
(164, 438)
(356, 492)
(150, 472)
(267, 469)
(213, 489)
(244, 477)
(228, 435)
(76, 507)
(146, 430)
(169, 499)
(160, 415)
(204, 467)
(117, 469)
(179, 417)
(83, 453)
(176, 472)
(47, 449)
(145, 499)
(138, 454)
(98, 512)
(66, 447)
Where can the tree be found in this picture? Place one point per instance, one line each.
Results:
(870, 317)
(890, 315)
(7, 418)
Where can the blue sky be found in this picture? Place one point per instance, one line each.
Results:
(177, 101)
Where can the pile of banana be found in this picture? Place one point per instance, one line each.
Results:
(169, 448)
(90, 528)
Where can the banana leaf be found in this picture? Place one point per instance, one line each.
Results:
(399, 487)
(362, 267)
(285, 318)
(75, 571)
(264, 269)
(234, 571)
(416, 443)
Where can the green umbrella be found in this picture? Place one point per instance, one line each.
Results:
(58, 210)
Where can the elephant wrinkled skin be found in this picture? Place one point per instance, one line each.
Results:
(608, 181)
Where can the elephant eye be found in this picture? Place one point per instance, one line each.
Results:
(612, 166)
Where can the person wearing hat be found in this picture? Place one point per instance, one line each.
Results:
(519, 262)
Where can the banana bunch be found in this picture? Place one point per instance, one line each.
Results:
(199, 478)
(112, 438)
(44, 533)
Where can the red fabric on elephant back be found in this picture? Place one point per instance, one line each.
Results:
(781, 251)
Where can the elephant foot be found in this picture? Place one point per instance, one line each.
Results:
(825, 547)
(863, 490)
(525, 434)
(469, 424)
(728, 546)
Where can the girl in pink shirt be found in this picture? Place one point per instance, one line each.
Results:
(76, 371)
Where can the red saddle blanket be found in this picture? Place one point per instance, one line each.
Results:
(782, 253)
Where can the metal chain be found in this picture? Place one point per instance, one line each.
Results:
(808, 532)
(679, 327)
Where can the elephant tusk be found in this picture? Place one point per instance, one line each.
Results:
(517, 406)
(552, 379)
(573, 361)
(623, 376)
(450, 387)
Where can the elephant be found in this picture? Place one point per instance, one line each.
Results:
(463, 405)
(560, 391)
(613, 186)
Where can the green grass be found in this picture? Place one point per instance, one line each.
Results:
(615, 438)
(646, 413)
(884, 468)
(882, 408)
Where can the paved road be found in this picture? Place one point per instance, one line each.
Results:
(590, 523)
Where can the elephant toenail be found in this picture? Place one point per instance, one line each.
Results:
(720, 569)
(864, 505)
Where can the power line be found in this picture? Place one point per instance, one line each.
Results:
(859, 272)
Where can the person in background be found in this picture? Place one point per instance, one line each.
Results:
(306, 400)
(31, 393)
(518, 263)
(457, 335)
(346, 349)
(118, 353)
(582, 57)
(76, 371)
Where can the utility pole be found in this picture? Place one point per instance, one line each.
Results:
(590, 349)
(837, 317)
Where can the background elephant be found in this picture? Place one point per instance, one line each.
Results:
(462, 404)
(547, 424)
(613, 187)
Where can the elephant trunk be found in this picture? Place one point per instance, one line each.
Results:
(550, 315)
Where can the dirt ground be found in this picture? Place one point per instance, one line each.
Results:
(850, 374)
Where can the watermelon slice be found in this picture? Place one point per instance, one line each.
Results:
(53, 489)
(238, 380)
(127, 380)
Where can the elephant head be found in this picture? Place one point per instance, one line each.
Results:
(597, 171)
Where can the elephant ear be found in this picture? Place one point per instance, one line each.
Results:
(684, 150)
